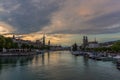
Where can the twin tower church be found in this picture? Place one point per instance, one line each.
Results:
(87, 44)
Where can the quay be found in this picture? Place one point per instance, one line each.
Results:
(17, 52)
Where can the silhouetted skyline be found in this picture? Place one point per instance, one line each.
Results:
(64, 21)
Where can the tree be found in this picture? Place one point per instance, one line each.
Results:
(74, 47)
(2, 42)
(116, 46)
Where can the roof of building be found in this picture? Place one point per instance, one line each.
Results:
(93, 42)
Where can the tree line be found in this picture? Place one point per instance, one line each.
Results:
(6, 42)
(113, 48)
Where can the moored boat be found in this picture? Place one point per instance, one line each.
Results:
(76, 53)
(118, 64)
(116, 58)
(107, 58)
(40, 51)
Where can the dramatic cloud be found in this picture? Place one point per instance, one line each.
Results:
(56, 39)
(61, 16)
(87, 17)
(30, 18)
(27, 15)
(5, 28)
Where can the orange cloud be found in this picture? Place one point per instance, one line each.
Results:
(5, 28)
(73, 16)
(63, 39)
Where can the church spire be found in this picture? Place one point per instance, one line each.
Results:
(44, 39)
(49, 43)
(95, 39)
(13, 36)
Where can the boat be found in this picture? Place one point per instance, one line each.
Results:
(93, 55)
(107, 58)
(118, 64)
(86, 54)
(76, 53)
(40, 51)
(116, 58)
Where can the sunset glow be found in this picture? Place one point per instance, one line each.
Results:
(62, 18)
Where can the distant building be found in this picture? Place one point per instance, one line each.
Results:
(49, 43)
(59, 47)
(20, 42)
(85, 41)
(87, 44)
(13, 36)
(93, 44)
(44, 40)
(38, 43)
(107, 44)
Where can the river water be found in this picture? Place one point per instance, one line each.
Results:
(58, 65)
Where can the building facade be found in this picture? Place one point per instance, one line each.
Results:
(93, 44)
(87, 44)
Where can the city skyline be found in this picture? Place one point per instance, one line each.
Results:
(64, 21)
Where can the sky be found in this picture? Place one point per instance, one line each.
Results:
(63, 21)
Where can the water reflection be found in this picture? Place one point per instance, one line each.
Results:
(48, 54)
(86, 61)
(6, 62)
(58, 65)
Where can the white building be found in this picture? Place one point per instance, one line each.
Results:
(93, 44)
(38, 43)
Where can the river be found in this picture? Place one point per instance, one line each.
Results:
(57, 65)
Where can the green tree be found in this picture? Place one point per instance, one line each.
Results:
(116, 46)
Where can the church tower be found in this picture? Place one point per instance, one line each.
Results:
(44, 39)
(85, 41)
(49, 43)
(13, 37)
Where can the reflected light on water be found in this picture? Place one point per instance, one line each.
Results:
(58, 65)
